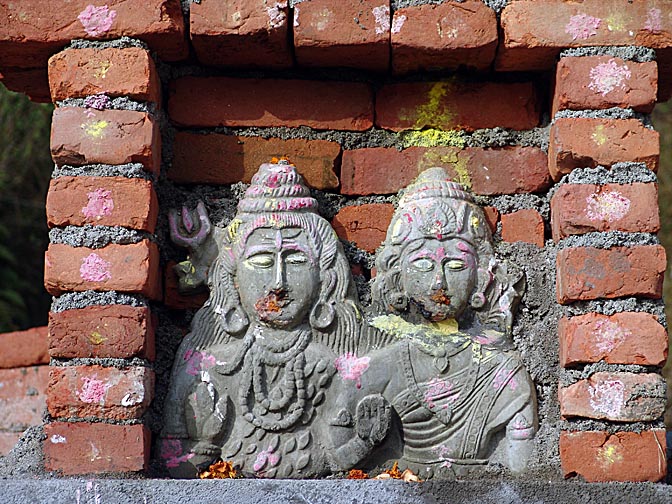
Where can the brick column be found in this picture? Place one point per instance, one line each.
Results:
(103, 262)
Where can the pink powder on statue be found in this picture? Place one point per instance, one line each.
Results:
(350, 367)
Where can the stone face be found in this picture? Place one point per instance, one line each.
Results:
(623, 456)
(103, 201)
(618, 397)
(78, 73)
(225, 101)
(525, 226)
(116, 331)
(451, 105)
(352, 33)
(622, 338)
(94, 448)
(534, 32)
(590, 273)
(508, 170)
(241, 33)
(84, 136)
(22, 397)
(28, 34)
(100, 392)
(225, 159)
(585, 208)
(465, 36)
(24, 348)
(601, 82)
(364, 225)
(585, 142)
(126, 268)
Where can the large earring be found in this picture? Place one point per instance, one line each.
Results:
(322, 315)
(234, 320)
(477, 300)
(398, 301)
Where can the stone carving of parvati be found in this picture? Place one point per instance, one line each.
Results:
(268, 377)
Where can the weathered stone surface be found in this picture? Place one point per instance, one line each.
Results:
(618, 397)
(585, 208)
(591, 273)
(117, 331)
(586, 142)
(451, 105)
(465, 36)
(24, 348)
(525, 226)
(601, 82)
(225, 101)
(94, 448)
(624, 456)
(99, 392)
(622, 338)
(226, 159)
(104, 201)
(364, 225)
(352, 33)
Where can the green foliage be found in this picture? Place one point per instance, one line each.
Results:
(25, 167)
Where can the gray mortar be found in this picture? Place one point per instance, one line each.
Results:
(609, 239)
(610, 113)
(119, 43)
(569, 376)
(130, 170)
(99, 361)
(119, 103)
(509, 203)
(630, 53)
(26, 460)
(96, 236)
(611, 306)
(620, 173)
(401, 4)
(500, 137)
(76, 300)
(610, 427)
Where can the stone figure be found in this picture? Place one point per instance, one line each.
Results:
(446, 304)
(268, 377)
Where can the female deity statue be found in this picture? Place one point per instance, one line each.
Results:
(459, 388)
(267, 375)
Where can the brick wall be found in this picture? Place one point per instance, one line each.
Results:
(539, 108)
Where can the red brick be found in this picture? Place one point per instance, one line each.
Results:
(622, 338)
(584, 208)
(241, 33)
(31, 81)
(623, 456)
(225, 159)
(601, 82)
(452, 104)
(7, 441)
(172, 298)
(585, 142)
(225, 101)
(523, 226)
(117, 331)
(22, 397)
(126, 268)
(507, 170)
(619, 397)
(94, 448)
(83, 136)
(101, 392)
(590, 273)
(534, 32)
(364, 225)
(446, 36)
(24, 348)
(104, 201)
(352, 33)
(131, 72)
(32, 30)
(492, 217)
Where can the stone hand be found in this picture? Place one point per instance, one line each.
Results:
(209, 414)
(373, 418)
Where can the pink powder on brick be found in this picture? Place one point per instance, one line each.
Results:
(94, 268)
(582, 26)
(654, 22)
(100, 204)
(606, 77)
(608, 207)
(93, 390)
(97, 20)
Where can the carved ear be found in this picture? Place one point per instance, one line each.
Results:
(398, 300)
(234, 320)
(322, 315)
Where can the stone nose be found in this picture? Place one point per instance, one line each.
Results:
(279, 280)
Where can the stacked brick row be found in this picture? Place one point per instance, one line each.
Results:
(101, 381)
(24, 376)
(605, 223)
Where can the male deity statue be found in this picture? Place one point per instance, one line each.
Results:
(268, 377)
(457, 385)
